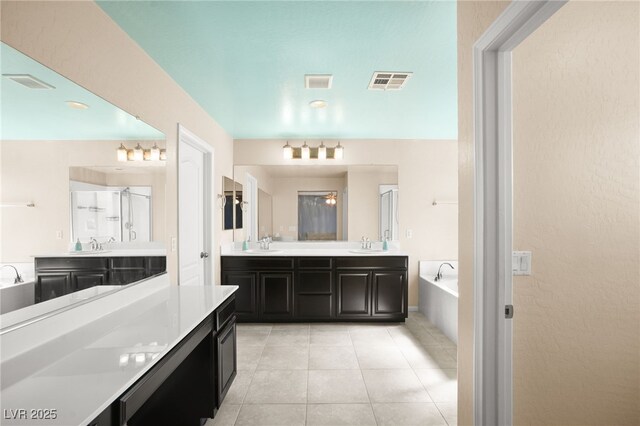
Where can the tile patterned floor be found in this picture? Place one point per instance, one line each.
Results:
(343, 374)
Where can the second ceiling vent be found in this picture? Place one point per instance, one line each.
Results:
(318, 81)
(384, 80)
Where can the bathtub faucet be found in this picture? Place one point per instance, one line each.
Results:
(439, 274)
(18, 278)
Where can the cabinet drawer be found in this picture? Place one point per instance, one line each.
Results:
(224, 312)
(127, 262)
(314, 282)
(372, 262)
(66, 263)
(157, 264)
(256, 263)
(315, 262)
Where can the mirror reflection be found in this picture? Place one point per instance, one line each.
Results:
(82, 193)
(318, 202)
(232, 204)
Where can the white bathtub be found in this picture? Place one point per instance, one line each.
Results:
(439, 299)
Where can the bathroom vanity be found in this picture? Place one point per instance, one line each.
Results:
(60, 275)
(318, 285)
(151, 353)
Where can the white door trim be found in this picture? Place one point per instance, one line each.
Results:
(492, 280)
(189, 138)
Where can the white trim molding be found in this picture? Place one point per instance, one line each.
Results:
(493, 206)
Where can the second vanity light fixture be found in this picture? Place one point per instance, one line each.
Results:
(306, 152)
(141, 154)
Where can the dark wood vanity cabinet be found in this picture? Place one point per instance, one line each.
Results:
(358, 288)
(57, 276)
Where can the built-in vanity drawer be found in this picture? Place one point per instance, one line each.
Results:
(257, 262)
(68, 263)
(224, 313)
(315, 262)
(372, 262)
(128, 262)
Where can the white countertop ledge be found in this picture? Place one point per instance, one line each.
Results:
(108, 253)
(83, 370)
(302, 252)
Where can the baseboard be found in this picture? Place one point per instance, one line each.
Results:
(413, 309)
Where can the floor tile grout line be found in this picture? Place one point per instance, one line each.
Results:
(366, 388)
(252, 376)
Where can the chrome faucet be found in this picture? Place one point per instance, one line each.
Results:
(18, 279)
(264, 243)
(439, 274)
(365, 243)
(95, 245)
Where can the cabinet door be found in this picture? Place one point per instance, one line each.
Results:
(246, 295)
(354, 289)
(86, 279)
(51, 285)
(389, 293)
(226, 346)
(276, 294)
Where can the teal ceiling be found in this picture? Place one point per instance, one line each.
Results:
(244, 62)
(42, 114)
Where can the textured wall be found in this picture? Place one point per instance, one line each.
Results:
(576, 207)
(78, 40)
(474, 17)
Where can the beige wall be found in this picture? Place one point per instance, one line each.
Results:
(38, 172)
(576, 347)
(427, 170)
(79, 41)
(364, 201)
(474, 17)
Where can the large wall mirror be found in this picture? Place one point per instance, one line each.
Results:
(318, 202)
(73, 168)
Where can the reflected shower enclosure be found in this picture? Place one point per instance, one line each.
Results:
(102, 212)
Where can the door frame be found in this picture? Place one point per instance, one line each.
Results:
(250, 197)
(185, 137)
(492, 278)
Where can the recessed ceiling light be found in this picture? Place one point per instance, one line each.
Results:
(77, 105)
(318, 103)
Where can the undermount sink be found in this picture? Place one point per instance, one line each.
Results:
(367, 251)
(89, 253)
(260, 251)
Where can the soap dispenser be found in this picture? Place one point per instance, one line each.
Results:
(245, 245)
(78, 245)
(385, 244)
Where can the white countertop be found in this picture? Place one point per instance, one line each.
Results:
(94, 364)
(109, 253)
(302, 252)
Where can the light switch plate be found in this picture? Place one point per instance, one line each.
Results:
(174, 244)
(521, 263)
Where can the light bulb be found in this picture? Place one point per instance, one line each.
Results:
(287, 151)
(306, 152)
(122, 153)
(163, 155)
(338, 152)
(155, 153)
(322, 152)
(138, 153)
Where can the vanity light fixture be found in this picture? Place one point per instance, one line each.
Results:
(287, 151)
(338, 152)
(306, 151)
(322, 152)
(163, 155)
(122, 153)
(138, 153)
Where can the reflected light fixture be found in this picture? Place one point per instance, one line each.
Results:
(306, 151)
(155, 152)
(163, 155)
(122, 153)
(338, 152)
(287, 151)
(138, 153)
(322, 152)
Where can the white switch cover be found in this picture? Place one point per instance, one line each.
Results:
(174, 244)
(59, 235)
(409, 234)
(521, 263)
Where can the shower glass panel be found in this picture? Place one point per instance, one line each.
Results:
(317, 215)
(136, 213)
(96, 214)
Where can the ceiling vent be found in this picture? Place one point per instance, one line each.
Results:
(318, 81)
(29, 81)
(389, 80)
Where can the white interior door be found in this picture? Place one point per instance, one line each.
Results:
(194, 181)
(251, 210)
